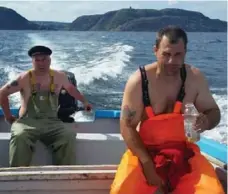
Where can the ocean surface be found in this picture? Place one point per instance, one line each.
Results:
(103, 61)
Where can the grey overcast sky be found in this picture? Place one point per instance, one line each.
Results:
(67, 11)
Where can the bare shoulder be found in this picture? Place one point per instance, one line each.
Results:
(60, 79)
(15, 85)
(24, 75)
(194, 71)
(204, 99)
(20, 80)
(151, 67)
(135, 79)
(57, 72)
(59, 75)
(196, 75)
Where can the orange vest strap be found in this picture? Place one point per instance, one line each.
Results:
(149, 111)
(177, 107)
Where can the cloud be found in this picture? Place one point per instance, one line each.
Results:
(172, 2)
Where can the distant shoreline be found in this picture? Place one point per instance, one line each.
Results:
(123, 20)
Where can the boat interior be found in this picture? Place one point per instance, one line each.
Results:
(99, 148)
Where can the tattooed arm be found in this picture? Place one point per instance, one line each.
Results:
(9, 88)
(131, 113)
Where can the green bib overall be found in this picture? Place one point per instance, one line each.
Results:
(41, 123)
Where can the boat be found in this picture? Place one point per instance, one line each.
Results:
(99, 148)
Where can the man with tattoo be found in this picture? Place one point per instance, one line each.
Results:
(159, 158)
(39, 89)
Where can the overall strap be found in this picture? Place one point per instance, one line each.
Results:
(52, 85)
(32, 83)
(145, 92)
(33, 91)
(181, 94)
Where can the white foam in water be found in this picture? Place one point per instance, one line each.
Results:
(219, 133)
(12, 75)
(104, 66)
(109, 61)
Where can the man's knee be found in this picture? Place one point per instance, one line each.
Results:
(68, 135)
(23, 135)
(64, 148)
(18, 132)
(65, 137)
(21, 146)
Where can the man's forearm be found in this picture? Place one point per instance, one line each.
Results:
(77, 95)
(214, 117)
(4, 101)
(135, 144)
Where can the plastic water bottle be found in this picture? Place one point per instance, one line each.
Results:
(89, 115)
(84, 116)
(190, 115)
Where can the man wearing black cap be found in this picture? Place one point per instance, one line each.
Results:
(39, 88)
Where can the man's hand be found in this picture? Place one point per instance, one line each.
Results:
(87, 106)
(150, 174)
(202, 123)
(10, 119)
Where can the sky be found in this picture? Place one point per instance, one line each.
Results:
(67, 11)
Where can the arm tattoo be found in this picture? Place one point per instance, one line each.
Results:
(14, 83)
(127, 114)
